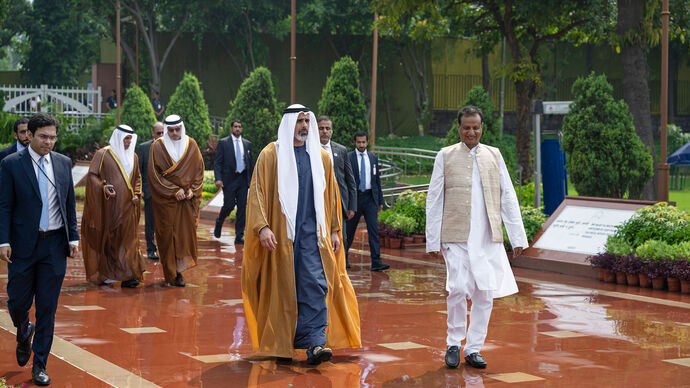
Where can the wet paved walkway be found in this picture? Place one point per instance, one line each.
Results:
(559, 331)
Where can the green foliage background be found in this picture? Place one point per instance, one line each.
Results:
(256, 107)
(606, 158)
(137, 112)
(62, 39)
(188, 102)
(341, 100)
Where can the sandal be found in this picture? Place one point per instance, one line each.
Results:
(318, 354)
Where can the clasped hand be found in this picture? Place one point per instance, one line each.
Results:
(181, 196)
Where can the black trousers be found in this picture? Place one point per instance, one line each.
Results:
(366, 207)
(38, 276)
(235, 194)
(149, 225)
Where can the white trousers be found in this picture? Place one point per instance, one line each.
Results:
(461, 286)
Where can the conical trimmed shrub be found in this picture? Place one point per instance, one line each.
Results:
(188, 102)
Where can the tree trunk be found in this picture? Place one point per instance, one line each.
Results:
(635, 81)
(486, 75)
(526, 92)
(673, 58)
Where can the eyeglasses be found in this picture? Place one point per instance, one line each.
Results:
(159, 133)
(51, 139)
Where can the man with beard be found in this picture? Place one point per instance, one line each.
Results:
(111, 213)
(22, 135)
(294, 282)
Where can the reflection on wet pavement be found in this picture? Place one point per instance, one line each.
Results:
(558, 331)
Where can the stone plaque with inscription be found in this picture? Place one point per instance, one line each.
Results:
(576, 230)
(581, 229)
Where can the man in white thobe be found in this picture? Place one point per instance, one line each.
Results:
(469, 194)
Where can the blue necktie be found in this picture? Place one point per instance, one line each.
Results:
(362, 174)
(43, 187)
(239, 162)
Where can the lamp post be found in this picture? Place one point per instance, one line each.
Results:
(293, 57)
(118, 76)
(374, 68)
(663, 167)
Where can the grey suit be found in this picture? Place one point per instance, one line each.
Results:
(143, 155)
(346, 181)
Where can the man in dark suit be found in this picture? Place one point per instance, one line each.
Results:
(369, 198)
(143, 155)
(35, 240)
(342, 169)
(22, 135)
(233, 171)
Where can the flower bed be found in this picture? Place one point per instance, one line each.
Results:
(654, 245)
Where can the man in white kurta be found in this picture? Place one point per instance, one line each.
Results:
(470, 192)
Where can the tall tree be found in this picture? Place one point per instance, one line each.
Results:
(14, 16)
(62, 42)
(526, 25)
(633, 54)
(237, 26)
(152, 17)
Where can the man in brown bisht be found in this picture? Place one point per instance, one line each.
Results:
(111, 213)
(296, 291)
(176, 176)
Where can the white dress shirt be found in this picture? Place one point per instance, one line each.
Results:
(20, 146)
(367, 167)
(54, 204)
(328, 148)
(234, 146)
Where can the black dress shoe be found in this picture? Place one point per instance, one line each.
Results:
(239, 240)
(24, 347)
(152, 255)
(179, 281)
(315, 357)
(453, 357)
(380, 267)
(475, 360)
(347, 265)
(216, 230)
(283, 360)
(40, 376)
(131, 283)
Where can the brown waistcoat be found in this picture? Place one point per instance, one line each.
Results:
(457, 199)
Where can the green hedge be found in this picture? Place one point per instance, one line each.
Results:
(188, 102)
(137, 112)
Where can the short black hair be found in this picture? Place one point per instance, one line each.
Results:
(360, 134)
(323, 118)
(42, 120)
(19, 122)
(235, 121)
(470, 110)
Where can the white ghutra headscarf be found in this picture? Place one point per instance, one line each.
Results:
(117, 145)
(287, 169)
(175, 148)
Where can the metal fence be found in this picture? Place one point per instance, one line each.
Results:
(26, 100)
(397, 162)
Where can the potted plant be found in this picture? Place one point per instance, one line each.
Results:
(604, 262)
(632, 270)
(619, 268)
(382, 226)
(680, 269)
(657, 271)
(407, 226)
